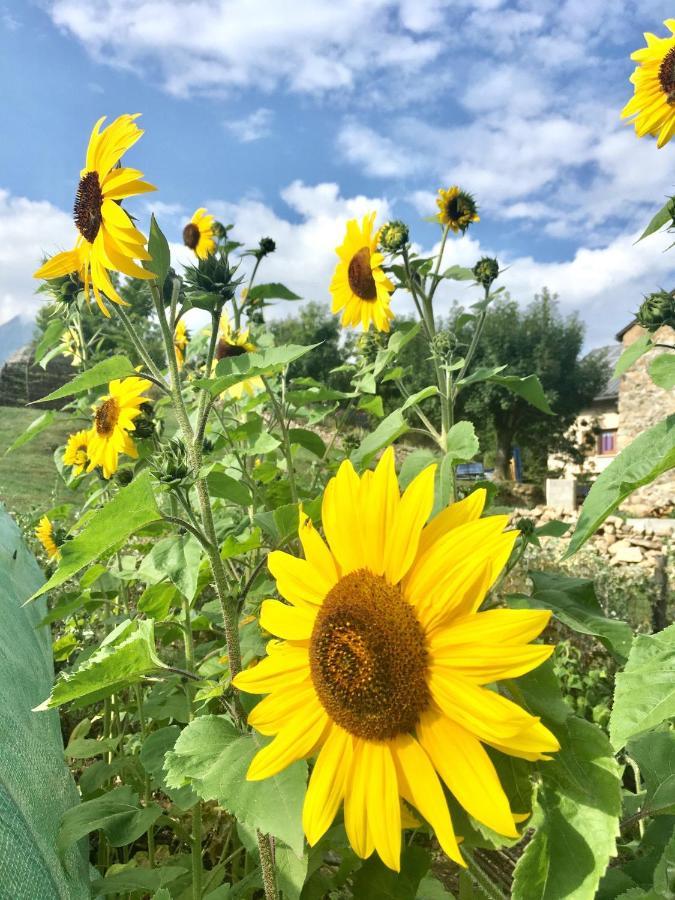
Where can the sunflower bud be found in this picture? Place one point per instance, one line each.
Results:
(443, 343)
(393, 236)
(486, 271)
(220, 231)
(124, 477)
(145, 423)
(64, 289)
(171, 466)
(211, 283)
(656, 310)
(265, 247)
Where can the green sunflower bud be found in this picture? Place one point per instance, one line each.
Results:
(171, 466)
(211, 283)
(656, 310)
(486, 271)
(64, 289)
(145, 423)
(265, 247)
(124, 477)
(393, 236)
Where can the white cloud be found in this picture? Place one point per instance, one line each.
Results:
(375, 154)
(253, 127)
(29, 229)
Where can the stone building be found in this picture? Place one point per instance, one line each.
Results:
(22, 382)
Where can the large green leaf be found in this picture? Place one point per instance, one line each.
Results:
(654, 752)
(664, 215)
(235, 369)
(651, 454)
(36, 427)
(462, 443)
(117, 813)
(136, 879)
(573, 601)
(272, 291)
(387, 431)
(645, 691)
(103, 372)
(176, 558)
(662, 371)
(213, 756)
(632, 353)
(36, 788)
(124, 657)
(377, 882)
(158, 248)
(155, 747)
(130, 510)
(49, 339)
(529, 388)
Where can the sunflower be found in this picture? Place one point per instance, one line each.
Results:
(180, 342)
(235, 343)
(653, 102)
(107, 237)
(113, 420)
(45, 534)
(198, 233)
(456, 208)
(76, 453)
(359, 286)
(383, 662)
(71, 346)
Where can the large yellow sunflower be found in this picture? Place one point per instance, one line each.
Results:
(113, 420)
(359, 287)
(107, 240)
(235, 343)
(198, 233)
(180, 342)
(76, 453)
(45, 534)
(653, 102)
(384, 660)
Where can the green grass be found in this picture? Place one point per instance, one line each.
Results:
(29, 482)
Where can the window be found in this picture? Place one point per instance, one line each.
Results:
(607, 441)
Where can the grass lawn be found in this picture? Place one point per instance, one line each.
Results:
(29, 483)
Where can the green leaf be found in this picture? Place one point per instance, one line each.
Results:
(155, 747)
(387, 431)
(272, 291)
(373, 405)
(640, 463)
(235, 369)
(157, 599)
(481, 374)
(176, 558)
(136, 879)
(116, 813)
(462, 443)
(414, 399)
(49, 339)
(654, 752)
(555, 528)
(574, 602)
(580, 803)
(213, 756)
(662, 371)
(228, 488)
(664, 215)
(431, 889)
(644, 695)
(130, 510)
(101, 373)
(291, 871)
(459, 273)
(413, 464)
(124, 657)
(632, 353)
(376, 881)
(158, 248)
(403, 335)
(36, 427)
(529, 388)
(310, 440)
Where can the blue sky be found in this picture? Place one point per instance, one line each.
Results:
(288, 118)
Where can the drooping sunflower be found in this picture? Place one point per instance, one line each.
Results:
(198, 233)
(456, 208)
(113, 420)
(359, 287)
(180, 342)
(76, 453)
(383, 660)
(652, 105)
(107, 239)
(45, 534)
(235, 343)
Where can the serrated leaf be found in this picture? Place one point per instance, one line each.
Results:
(103, 372)
(483, 373)
(124, 657)
(235, 369)
(662, 371)
(49, 339)
(176, 558)
(291, 871)
(580, 800)
(416, 398)
(462, 443)
(663, 216)
(36, 427)
(632, 353)
(214, 756)
(116, 813)
(158, 248)
(529, 388)
(387, 431)
(654, 753)
(644, 695)
(128, 511)
(459, 273)
(155, 747)
(272, 291)
(651, 454)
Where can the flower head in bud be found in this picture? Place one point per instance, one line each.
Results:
(656, 310)
(211, 283)
(64, 289)
(393, 236)
(124, 477)
(443, 343)
(457, 209)
(171, 465)
(486, 271)
(265, 247)
(145, 423)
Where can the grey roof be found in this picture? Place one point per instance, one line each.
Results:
(611, 353)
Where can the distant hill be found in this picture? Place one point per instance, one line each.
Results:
(14, 334)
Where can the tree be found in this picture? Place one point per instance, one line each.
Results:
(537, 340)
(316, 325)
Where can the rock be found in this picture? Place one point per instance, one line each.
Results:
(609, 539)
(618, 546)
(627, 554)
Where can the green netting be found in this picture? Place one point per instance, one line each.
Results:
(35, 785)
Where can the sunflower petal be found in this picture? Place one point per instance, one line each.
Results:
(326, 788)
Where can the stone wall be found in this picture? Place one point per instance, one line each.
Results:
(641, 405)
(22, 382)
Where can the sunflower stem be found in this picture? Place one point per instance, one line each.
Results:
(267, 866)
(485, 884)
(138, 345)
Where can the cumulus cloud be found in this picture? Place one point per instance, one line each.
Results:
(253, 127)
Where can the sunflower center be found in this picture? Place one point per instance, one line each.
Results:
(80, 456)
(453, 209)
(360, 275)
(87, 207)
(191, 235)
(225, 349)
(368, 658)
(667, 75)
(106, 417)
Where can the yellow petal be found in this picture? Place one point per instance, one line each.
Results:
(467, 510)
(297, 580)
(412, 512)
(296, 740)
(316, 552)
(484, 663)
(379, 501)
(342, 521)
(356, 803)
(327, 784)
(59, 265)
(282, 706)
(285, 665)
(383, 803)
(288, 622)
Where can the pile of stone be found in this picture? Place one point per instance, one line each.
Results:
(623, 541)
